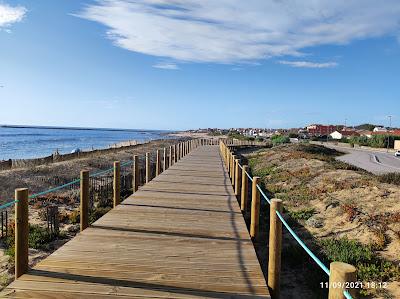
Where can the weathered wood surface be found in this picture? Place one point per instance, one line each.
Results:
(180, 236)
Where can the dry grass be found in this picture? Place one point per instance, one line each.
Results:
(352, 203)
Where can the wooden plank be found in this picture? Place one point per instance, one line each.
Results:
(182, 235)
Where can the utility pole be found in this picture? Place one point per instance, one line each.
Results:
(388, 135)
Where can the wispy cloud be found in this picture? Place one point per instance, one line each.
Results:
(166, 66)
(309, 64)
(236, 31)
(11, 14)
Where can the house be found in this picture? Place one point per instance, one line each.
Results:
(343, 134)
(380, 129)
(365, 133)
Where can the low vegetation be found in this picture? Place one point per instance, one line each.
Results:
(378, 141)
(341, 212)
(39, 238)
(390, 178)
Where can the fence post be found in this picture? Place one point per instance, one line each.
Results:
(117, 183)
(21, 232)
(84, 208)
(164, 159)
(255, 208)
(175, 153)
(229, 163)
(135, 184)
(147, 167)
(170, 156)
(158, 163)
(341, 273)
(237, 178)
(275, 248)
(245, 188)
(233, 170)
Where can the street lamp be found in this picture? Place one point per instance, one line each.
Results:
(390, 125)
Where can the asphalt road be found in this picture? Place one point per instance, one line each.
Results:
(373, 161)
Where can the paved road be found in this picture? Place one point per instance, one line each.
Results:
(372, 161)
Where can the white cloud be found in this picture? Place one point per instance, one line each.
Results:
(309, 64)
(10, 14)
(166, 66)
(237, 31)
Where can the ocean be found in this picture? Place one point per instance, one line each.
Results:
(36, 142)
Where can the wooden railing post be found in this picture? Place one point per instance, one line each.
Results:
(117, 183)
(229, 164)
(341, 273)
(165, 159)
(176, 153)
(170, 157)
(84, 207)
(135, 184)
(233, 170)
(158, 163)
(237, 178)
(245, 189)
(147, 167)
(21, 232)
(255, 208)
(275, 248)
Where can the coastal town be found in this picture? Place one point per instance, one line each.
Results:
(312, 131)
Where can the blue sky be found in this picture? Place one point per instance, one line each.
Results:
(156, 65)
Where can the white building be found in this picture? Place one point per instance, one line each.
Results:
(336, 135)
(380, 129)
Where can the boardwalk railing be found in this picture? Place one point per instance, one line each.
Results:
(116, 177)
(342, 276)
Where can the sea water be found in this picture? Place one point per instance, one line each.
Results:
(34, 142)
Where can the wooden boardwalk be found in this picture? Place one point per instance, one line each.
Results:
(182, 235)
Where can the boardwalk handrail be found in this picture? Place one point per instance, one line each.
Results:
(337, 269)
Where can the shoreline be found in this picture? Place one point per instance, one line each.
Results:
(56, 157)
(79, 128)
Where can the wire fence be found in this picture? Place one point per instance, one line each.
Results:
(51, 205)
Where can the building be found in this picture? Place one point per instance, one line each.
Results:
(319, 130)
(343, 134)
(380, 129)
(365, 133)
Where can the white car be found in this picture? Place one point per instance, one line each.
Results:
(397, 154)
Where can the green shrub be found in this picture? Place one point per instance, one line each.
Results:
(390, 178)
(303, 214)
(279, 139)
(74, 217)
(39, 238)
(370, 266)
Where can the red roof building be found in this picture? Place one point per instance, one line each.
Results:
(317, 129)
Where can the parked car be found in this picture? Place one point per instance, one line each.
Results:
(397, 154)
